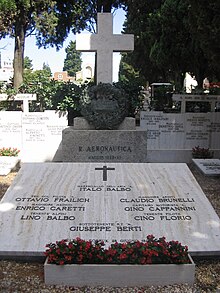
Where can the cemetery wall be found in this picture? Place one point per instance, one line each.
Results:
(171, 137)
(37, 135)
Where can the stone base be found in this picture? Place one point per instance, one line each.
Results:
(119, 275)
(128, 146)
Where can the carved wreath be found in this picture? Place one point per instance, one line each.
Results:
(104, 106)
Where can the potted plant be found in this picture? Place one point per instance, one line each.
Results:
(80, 262)
(8, 159)
(201, 153)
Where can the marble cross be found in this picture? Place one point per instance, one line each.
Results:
(104, 43)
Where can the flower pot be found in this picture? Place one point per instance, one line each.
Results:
(7, 164)
(119, 275)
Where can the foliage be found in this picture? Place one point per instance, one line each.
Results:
(170, 49)
(38, 82)
(46, 68)
(205, 29)
(104, 105)
(9, 152)
(50, 21)
(201, 153)
(28, 63)
(151, 251)
(199, 107)
(173, 37)
(127, 73)
(139, 59)
(9, 104)
(73, 61)
(67, 96)
(135, 98)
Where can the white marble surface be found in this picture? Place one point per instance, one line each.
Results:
(169, 131)
(54, 201)
(10, 129)
(37, 135)
(209, 167)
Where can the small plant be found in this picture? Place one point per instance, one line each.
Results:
(151, 251)
(9, 152)
(201, 153)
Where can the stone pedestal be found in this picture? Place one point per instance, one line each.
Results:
(88, 145)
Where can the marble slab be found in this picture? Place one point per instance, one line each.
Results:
(37, 135)
(11, 129)
(122, 146)
(169, 131)
(209, 167)
(109, 201)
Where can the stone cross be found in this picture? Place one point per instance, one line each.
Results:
(20, 97)
(104, 43)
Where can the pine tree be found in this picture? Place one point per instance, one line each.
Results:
(73, 61)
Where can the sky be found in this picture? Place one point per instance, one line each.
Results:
(54, 58)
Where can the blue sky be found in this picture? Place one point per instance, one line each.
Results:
(55, 59)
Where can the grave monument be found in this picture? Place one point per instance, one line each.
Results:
(48, 202)
(105, 134)
(209, 167)
(107, 198)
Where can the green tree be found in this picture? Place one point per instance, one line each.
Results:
(73, 61)
(172, 37)
(46, 68)
(205, 28)
(170, 40)
(49, 20)
(173, 46)
(140, 27)
(28, 63)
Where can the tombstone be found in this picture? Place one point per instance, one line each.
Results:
(112, 202)
(209, 167)
(103, 196)
(106, 135)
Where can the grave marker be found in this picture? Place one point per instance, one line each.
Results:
(53, 201)
(209, 167)
(20, 97)
(104, 43)
(183, 98)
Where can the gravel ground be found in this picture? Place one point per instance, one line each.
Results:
(17, 277)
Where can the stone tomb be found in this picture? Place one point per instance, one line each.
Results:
(114, 202)
(209, 167)
(82, 143)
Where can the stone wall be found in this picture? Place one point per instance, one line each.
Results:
(38, 134)
(172, 136)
